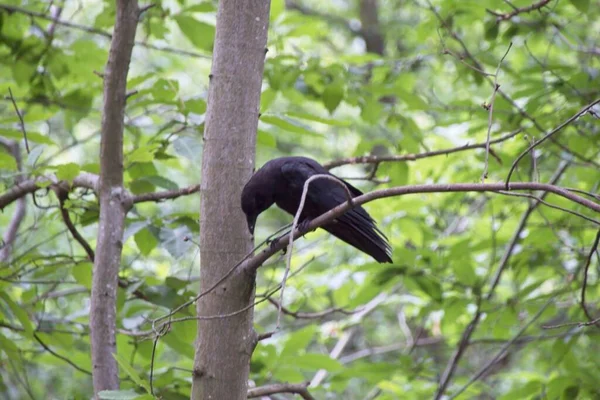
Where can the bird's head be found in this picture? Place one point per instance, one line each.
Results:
(256, 198)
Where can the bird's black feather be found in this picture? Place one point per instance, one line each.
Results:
(281, 181)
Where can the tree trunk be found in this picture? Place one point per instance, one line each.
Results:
(114, 201)
(224, 345)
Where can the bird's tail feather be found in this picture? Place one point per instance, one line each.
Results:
(361, 232)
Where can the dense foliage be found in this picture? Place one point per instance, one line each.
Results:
(484, 297)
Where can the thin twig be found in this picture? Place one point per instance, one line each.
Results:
(547, 136)
(295, 225)
(503, 349)
(12, 99)
(414, 157)
(516, 11)
(490, 108)
(99, 31)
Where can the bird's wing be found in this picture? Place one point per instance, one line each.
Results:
(355, 227)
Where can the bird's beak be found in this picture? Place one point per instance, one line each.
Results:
(251, 222)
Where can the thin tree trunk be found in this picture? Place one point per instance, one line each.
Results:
(224, 345)
(114, 201)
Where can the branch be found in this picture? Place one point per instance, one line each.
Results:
(21, 189)
(10, 233)
(588, 261)
(490, 108)
(61, 357)
(508, 252)
(345, 339)
(506, 16)
(310, 315)
(63, 195)
(297, 388)
(20, 115)
(166, 195)
(257, 260)
(114, 201)
(414, 157)
(548, 135)
(503, 349)
(99, 32)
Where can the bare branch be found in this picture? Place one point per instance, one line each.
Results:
(99, 32)
(311, 315)
(516, 11)
(547, 136)
(59, 356)
(256, 261)
(83, 180)
(490, 108)
(10, 234)
(297, 388)
(347, 335)
(20, 115)
(166, 195)
(63, 195)
(503, 349)
(414, 157)
(586, 268)
(508, 252)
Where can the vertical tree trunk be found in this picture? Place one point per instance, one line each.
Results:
(224, 345)
(114, 201)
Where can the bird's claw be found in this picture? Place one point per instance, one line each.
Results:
(303, 226)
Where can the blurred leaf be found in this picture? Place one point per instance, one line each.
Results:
(201, 34)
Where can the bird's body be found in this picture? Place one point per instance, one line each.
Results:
(281, 181)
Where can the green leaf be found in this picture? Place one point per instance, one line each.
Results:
(83, 274)
(314, 362)
(142, 154)
(7, 161)
(430, 286)
(31, 136)
(20, 313)
(492, 28)
(145, 241)
(311, 117)
(67, 172)
(203, 7)
(333, 96)
(266, 99)
(197, 106)
(131, 372)
(165, 90)
(34, 155)
(287, 124)
(581, 5)
(371, 110)
(298, 341)
(188, 147)
(266, 139)
(201, 34)
(118, 395)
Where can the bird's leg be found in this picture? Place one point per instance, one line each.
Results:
(303, 226)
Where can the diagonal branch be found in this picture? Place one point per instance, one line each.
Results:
(516, 11)
(414, 157)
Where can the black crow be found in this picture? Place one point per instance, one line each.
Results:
(281, 181)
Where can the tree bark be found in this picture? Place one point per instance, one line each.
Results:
(114, 201)
(224, 345)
